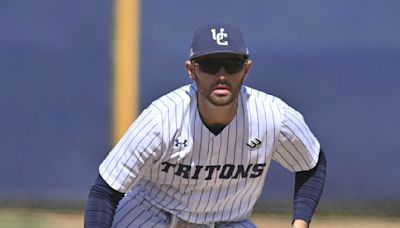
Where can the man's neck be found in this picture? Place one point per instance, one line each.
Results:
(214, 116)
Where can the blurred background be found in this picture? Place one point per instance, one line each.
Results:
(336, 62)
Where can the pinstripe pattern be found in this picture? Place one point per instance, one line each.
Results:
(137, 212)
(179, 166)
(297, 148)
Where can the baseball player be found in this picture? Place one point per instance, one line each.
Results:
(198, 156)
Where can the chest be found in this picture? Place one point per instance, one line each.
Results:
(242, 150)
(236, 152)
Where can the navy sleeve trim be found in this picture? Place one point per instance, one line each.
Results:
(308, 189)
(101, 205)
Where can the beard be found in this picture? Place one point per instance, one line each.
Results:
(208, 92)
(221, 100)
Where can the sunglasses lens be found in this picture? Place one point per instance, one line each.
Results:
(212, 66)
(209, 66)
(233, 66)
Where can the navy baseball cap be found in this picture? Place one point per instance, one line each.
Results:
(218, 38)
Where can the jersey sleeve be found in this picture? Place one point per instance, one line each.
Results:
(134, 153)
(296, 149)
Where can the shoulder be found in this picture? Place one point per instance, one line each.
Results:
(257, 95)
(179, 97)
(271, 103)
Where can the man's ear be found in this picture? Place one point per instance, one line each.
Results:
(190, 69)
(247, 67)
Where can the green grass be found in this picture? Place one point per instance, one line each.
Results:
(33, 218)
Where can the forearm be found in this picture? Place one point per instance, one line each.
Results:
(308, 190)
(100, 208)
(299, 223)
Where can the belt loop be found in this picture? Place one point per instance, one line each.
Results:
(174, 221)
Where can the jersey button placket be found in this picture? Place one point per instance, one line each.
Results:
(216, 147)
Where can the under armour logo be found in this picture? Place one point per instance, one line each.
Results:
(219, 36)
(178, 143)
(254, 142)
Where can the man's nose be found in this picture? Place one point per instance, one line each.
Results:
(222, 74)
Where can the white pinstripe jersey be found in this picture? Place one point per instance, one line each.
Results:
(173, 159)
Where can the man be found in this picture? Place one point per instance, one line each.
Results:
(198, 156)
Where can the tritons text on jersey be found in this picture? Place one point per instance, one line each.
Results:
(226, 171)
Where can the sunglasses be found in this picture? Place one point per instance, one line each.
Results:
(213, 65)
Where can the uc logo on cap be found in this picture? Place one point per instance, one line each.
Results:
(219, 37)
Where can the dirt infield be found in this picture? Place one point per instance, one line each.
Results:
(33, 218)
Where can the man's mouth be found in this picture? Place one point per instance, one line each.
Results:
(221, 90)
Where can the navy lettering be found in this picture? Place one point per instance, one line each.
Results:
(240, 170)
(227, 171)
(211, 168)
(257, 170)
(185, 169)
(167, 166)
(196, 172)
